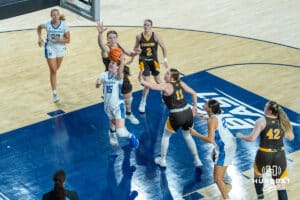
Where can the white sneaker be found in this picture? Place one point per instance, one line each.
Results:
(159, 161)
(142, 106)
(113, 139)
(132, 119)
(55, 98)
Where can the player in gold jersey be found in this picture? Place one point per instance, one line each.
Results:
(270, 155)
(148, 42)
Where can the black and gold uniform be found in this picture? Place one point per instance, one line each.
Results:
(127, 86)
(148, 58)
(270, 154)
(181, 115)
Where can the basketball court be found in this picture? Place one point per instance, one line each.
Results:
(242, 66)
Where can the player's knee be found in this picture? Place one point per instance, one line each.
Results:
(128, 101)
(218, 179)
(122, 132)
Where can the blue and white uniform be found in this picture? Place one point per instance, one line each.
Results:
(55, 49)
(113, 100)
(225, 143)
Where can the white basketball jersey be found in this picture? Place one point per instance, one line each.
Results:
(111, 89)
(52, 31)
(223, 137)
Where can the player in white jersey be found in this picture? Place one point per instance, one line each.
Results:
(55, 46)
(113, 101)
(222, 139)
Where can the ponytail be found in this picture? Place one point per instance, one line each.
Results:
(283, 118)
(62, 17)
(285, 124)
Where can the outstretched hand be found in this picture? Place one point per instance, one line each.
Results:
(100, 27)
(201, 116)
(239, 135)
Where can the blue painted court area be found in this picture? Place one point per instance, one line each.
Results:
(78, 143)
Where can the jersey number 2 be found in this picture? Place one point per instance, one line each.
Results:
(149, 51)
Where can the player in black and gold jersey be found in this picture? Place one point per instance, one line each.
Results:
(271, 156)
(181, 115)
(148, 42)
(112, 42)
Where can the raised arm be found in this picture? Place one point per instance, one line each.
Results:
(192, 92)
(260, 124)
(104, 49)
(121, 67)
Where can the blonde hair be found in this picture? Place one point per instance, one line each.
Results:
(283, 118)
(61, 16)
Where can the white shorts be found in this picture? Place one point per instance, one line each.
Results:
(117, 112)
(54, 51)
(225, 157)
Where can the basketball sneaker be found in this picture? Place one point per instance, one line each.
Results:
(113, 138)
(134, 141)
(55, 98)
(132, 119)
(161, 162)
(142, 107)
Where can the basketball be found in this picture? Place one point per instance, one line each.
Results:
(115, 54)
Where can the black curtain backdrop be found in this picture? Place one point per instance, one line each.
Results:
(12, 8)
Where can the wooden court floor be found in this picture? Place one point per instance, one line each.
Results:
(267, 64)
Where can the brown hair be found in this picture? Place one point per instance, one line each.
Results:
(59, 178)
(214, 105)
(111, 32)
(283, 118)
(61, 16)
(148, 20)
(175, 75)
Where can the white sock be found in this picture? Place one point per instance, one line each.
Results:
(144, 99)
(165, 144)
(191, 144)
(54, 92)
(123, 132)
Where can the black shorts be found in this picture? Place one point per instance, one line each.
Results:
(276, 161)
(149, 66)
(183, 119)
(127, 86)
